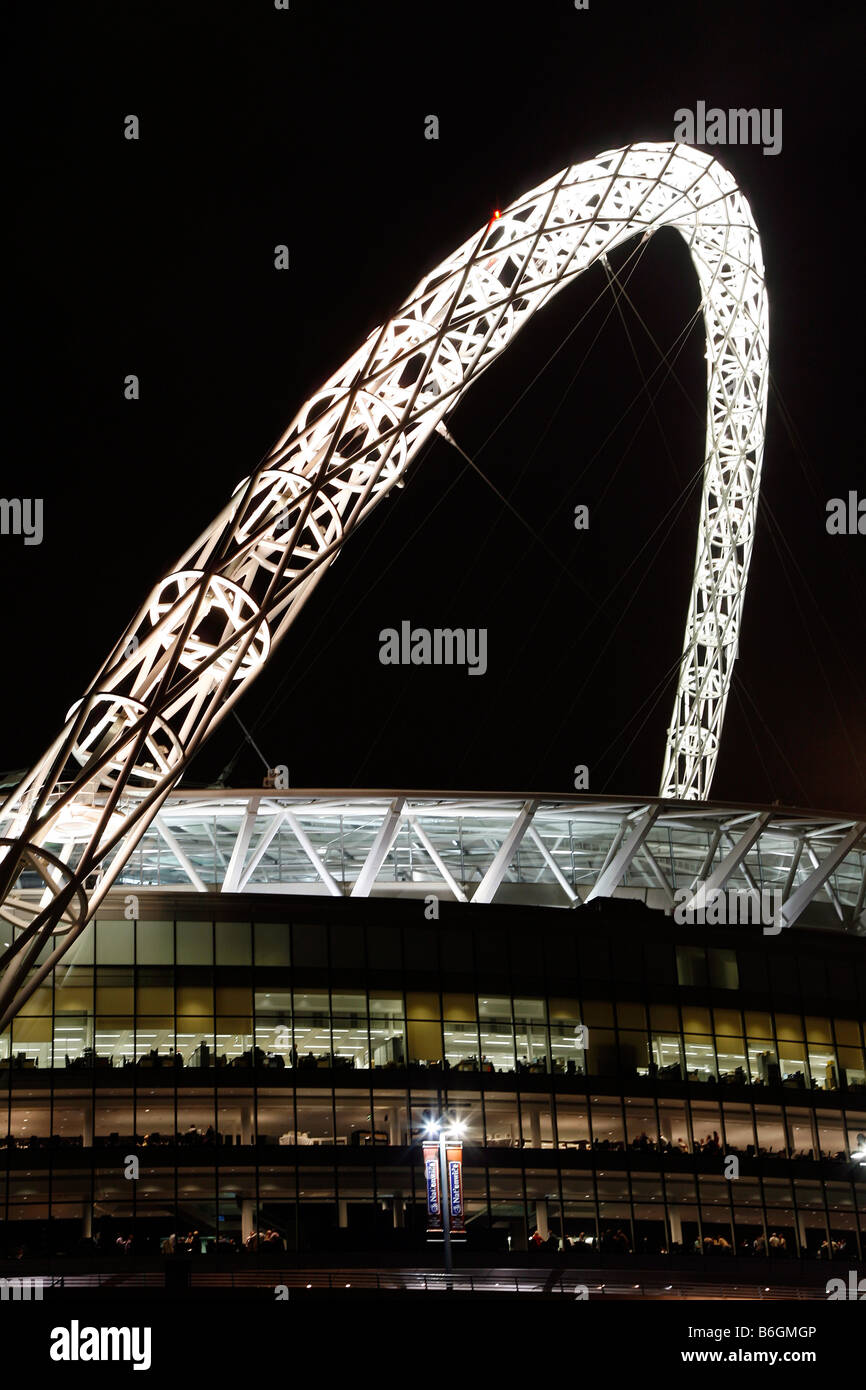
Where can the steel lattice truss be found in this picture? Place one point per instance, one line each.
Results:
(208, 628)
(481, 847)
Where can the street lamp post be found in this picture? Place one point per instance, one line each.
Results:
(445, 1203)
(447, 1130)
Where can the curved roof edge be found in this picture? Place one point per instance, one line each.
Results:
(700, 861)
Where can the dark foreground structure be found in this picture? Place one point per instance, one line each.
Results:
(225, 1083)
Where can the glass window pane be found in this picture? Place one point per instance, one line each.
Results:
(154, 943)
(234, 943)
(114, 942)
(194, 943)
(272, 943)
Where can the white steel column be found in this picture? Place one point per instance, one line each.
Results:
(242, 844)
(486, 890)
(379, 849)
(800, 900)
(610, 877)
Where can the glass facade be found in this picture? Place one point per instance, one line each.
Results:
(120, 1018)
(279, 1074)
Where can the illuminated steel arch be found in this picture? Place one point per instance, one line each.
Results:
(208, 627)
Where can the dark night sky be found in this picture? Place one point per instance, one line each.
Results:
(260, 127)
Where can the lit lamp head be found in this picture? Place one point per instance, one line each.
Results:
(446, 1128)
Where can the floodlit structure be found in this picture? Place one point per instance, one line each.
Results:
(209, 626)
(533, 852)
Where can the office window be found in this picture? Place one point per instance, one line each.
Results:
(310, 944)
(315, 1117)
(312, 1028)
(607, 1124)
(272, 943)
(763, 1062)
(530, 1036)
(692, 966)
(355, 1126)
(739, 1129)
(733, 1064)
(572, 1122)
(31, 1042)
(387, 1030)
(502, 1123)
(633, 1052)
(496, 1033)
(667, 1056)
(723, 970)
(424, 1029)
(601, 1057)
(234, 945)
(855, 1125)
(195, 1041)
(792, 1064)
(154, 943)
(461, 1044)
(351, 1044)
(801, 1141)
(852, 1068)
(641, 1126)
(536, 1121)
(194, 943)
(391, 1117)
(700, 1057)
(82, 951)
(567, 1048)
(707, 1126)
(771, 1130)
(822, 1065)
(114, 942)
(674, 1126)
(831, 1134)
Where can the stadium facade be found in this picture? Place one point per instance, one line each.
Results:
(283, 986)
(229, 1012)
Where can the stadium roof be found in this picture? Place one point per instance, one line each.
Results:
(530, 849)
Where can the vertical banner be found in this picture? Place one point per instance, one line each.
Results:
(454, 1164)
(434, 1188)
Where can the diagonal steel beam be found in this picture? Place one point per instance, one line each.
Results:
(489, 885)
(611, 876)
(231, 881)
(310, 851)
(733, 859)
(659, 874)
(437, 859)
(708, 857)
(799, 901)
(378, 850)
(185, 863)
(828, 887)
(551, 863)
(792, 869)
(261, 849)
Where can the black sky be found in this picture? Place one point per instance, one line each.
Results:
(261, 127)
